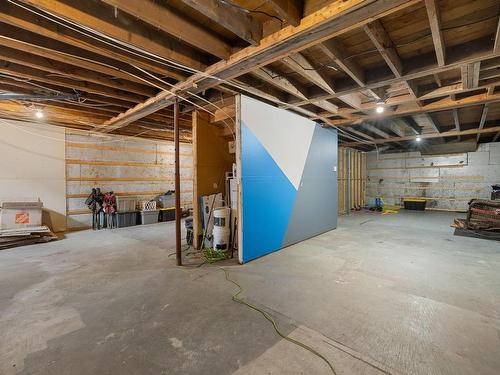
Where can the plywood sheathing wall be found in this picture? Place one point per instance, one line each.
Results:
(351, 179)
(211, 160)
(447, 182)
(127, 166)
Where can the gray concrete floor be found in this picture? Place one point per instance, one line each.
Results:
(394, 294)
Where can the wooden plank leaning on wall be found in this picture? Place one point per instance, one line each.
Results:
(351, 179)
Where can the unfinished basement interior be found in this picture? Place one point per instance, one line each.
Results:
(250, 187)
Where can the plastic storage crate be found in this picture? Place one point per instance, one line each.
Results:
(414, 204)
(126, 219)
(166, 200)
(149, 217)
(126, 204)
(147, 205)
(167, 214)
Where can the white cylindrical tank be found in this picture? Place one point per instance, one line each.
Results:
(221, 238)
(222, 216)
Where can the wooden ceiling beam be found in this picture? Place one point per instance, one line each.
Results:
(399, 126)
(249, 84)
(330, 21)
(375, 130)
(69, 71)
(456, 121)
(379, 37)
(95, 17)
(55, 121)
(465, 57)
(26, 86)
(407, 99)
(360, 134)
(30, 73)
(470, 75)
(268, 75)
(106, 68)
(452, 133)
(437, 79)
(29, 22)
(288, 10)
(484, 115)
(440, 105)
(284, 84)
(83, 107)
(496, 44)
(299, 64)
(426, 119)
(327, 106)
(231, 17)
(50, 111)
(412, 125)
(334, 50)
(385, 46)
(437, 35)
(172, 23)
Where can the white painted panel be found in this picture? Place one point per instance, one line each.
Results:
(478, 158)
(32, 165)
(277, 130)
(495, 155)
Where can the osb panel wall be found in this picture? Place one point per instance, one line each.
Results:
(127, 166)
(351, 179)
(211, 161)
(447, 182)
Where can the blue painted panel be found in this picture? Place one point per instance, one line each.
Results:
(267, 197)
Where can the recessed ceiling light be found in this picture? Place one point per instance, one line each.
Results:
(379, 109)
(418, 139)
(39, 113)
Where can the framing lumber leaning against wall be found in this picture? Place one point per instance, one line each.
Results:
(351, 179)
(128, 166)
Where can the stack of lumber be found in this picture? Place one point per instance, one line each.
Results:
(483, 220)
(25, 236)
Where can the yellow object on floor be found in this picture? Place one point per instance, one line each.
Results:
(391, 207)
(386, 211)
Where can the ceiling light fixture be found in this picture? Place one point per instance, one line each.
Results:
(418, 139)
(39, 113)
(380, 106)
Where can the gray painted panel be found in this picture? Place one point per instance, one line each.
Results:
(315, 209)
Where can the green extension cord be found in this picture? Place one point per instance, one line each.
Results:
(237, 299)
(212, 255)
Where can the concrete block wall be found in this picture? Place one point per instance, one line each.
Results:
(447, 182)
(127, 166)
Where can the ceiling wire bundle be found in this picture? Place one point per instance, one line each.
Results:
(158, 59)
(140, 52)
(179, 66)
